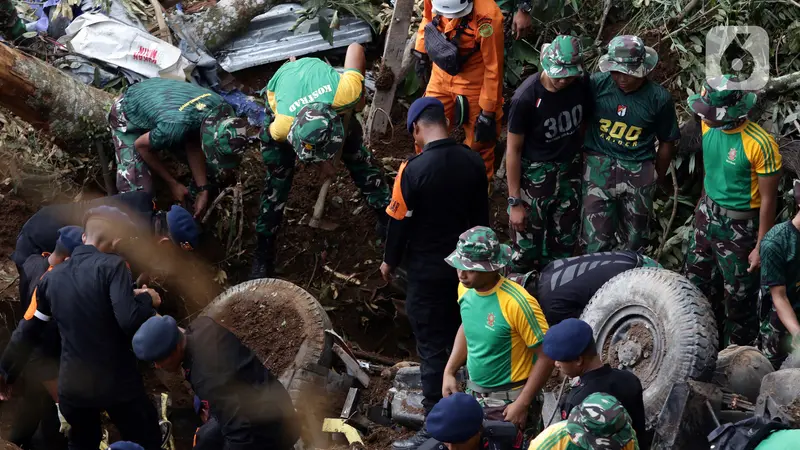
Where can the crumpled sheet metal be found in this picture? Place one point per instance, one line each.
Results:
(268, 38)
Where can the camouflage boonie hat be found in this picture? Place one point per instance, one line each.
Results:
(479, 249)
(628, 54)
(223, 137)
(563, 57)
(716, 102)
(600, 422)
(317, 133)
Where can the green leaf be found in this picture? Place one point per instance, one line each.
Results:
(524, 52)
(411, 84)
(325, 30)
(696, 40)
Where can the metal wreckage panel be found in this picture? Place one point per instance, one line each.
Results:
(268, 38)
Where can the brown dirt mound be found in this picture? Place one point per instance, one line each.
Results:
(273, 332)
(15, 213)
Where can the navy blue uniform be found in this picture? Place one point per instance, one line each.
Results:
(249, 408)
(90, 297)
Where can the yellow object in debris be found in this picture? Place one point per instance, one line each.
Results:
(339, 426)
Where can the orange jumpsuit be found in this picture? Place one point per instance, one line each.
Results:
(481, 78)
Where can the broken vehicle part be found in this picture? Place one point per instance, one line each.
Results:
(740, 370)
(269, 38)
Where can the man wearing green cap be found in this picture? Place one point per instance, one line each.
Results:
(543, 158)
(309, 111)
(621, 169)
(500, 336)
(742, 171)
(600, 422)
(162, 114)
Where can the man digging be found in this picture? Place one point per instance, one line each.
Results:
(309, 117)
(500, 337)
(249, 408)
(168, 115)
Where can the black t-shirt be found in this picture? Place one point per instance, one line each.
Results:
(566, 285)
(550, 121)
(623, 385)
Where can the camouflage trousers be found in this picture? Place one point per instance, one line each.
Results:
(774, 340)
(280, 161)
(617, 200)
(718, 249)
(11, 21)
(132, 172)
(550, 192)
(494, 404)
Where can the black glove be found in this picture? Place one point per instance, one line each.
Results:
(485, 128)
(422, 66)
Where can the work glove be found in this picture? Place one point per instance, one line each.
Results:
(65, 427)
(485, 128)
(422, 66)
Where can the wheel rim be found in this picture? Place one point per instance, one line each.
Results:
(633, 339)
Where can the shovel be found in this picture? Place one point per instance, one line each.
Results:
(316, 220)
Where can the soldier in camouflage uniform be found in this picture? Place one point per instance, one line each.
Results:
(162, 114)
(310, 117)
(621, 167)
(779, 297)
(500, 336)
(543, 156)
(11, 21)
(742, 171)
(600, 422)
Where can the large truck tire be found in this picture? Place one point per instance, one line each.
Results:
(306, 378)
(656, 324)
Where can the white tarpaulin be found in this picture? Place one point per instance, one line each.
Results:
(99, 37)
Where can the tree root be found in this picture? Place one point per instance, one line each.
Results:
(674, 211)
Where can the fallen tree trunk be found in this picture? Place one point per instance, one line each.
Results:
(219, 24)
(52, 101)
(780, 85)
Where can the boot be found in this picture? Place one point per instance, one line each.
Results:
(263, 258)
(382, 225)
(413, 442)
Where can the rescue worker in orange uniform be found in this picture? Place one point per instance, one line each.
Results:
(462, 43)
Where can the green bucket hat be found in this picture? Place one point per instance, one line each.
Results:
(224, 137)
(317, 133)
(479, 249)
(629, 55)
(717, 102)
(563, 57)
(600, 422)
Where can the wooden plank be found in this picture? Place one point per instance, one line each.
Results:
(396, 39)
(350, 404)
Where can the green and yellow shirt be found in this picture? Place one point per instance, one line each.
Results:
(170, 110)
(733, 161)
(309, 80)
(556, 437)
(502, 327)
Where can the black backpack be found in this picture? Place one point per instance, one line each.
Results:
(745, 434)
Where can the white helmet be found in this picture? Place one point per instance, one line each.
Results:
(452, 9)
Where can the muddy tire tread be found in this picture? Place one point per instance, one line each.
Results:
(691, 335)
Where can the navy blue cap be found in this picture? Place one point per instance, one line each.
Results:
(125, 445)
(455, 419)
(567, 340)
(108, 213)
(182, 227)
(156, 339)
(418, 106)
(69, 237)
